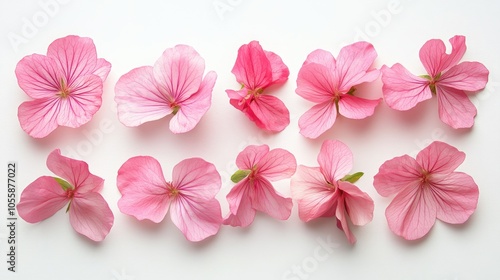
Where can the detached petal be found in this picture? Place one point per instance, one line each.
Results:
(434, 58)
(239, 198)
(277, 164)
(90, 215)
(269, 113)
(353, 107)
(253, 67)
(39, 76)
(41, 199)
(469, 76)
(397, 174)
(251, 156)
(279, 70)
(316, 82)
(194, 177)
(440, 158)
(353, 64)
(454, 107)
(318, 119)
(38, 117)
(359, 205)
(267, 200)
(335, 160)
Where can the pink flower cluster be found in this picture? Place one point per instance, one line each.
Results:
(66, 86)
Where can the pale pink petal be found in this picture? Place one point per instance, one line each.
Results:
(194, 177)
(39, 76)
(196, 218)
(90, 215)
(41, 199)
(403, 90)
(269, 113)
(318, 119)
(38, 117)
(353, 107)
(434, 57)
(359, 205)
(353, 64)
(342, 222)
(440, 158)
(277, 164)
(143, 188)
(76, 172)
(456, 197)
(192, 109)
(335, 160)
(397, 174)
(322, 57)
(310, 190)
(469, 76)
(279, 69)
(267, 200)
(316, 83)
(179, 72)
(251, 156)
(240, 205)
(102, 68)
(139, 98)
(253, 68)
(412, 212)
(454, 107)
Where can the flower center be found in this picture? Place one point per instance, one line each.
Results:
(70, 193)
(172, 191)
(64, 90)
(424, 179)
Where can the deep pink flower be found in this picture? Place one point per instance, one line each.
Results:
(66, 85)
(256, 69)
(446, 78)
(89, 214)
(258, 167)
(426, 188)
(190, 195)
(331, 84)
(328, 190)
(174, 85)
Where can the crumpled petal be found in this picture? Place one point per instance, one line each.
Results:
(353, 64)
(440, 158)
(354, 107)
(397, 174)
(269, 113)
(90, 215)
(359, 205)
(253, 66)
(251, 156)
(335, 160)
(38, 76)
(318, 119)
(194, 177)
(468, 76)
(434, 57)
(454, 107)
(342, 222)
(267, 200)
(277, 164)
(240, 205)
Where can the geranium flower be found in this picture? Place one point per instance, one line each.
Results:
(328, 190)
(66, 86)
(446, 78)
(89, 214)
(174, 85)
(256, 70)
(426, 188)
(331, 84)
(258, 167)
(190, 195)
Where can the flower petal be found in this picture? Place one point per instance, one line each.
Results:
(39, 76)
(353, 63)
(354, 107)
(196, 218)
(313, 196)
(316, 82)
(469, 76)
(279, 70)
(440, 158)
(102, 68)
(76, 172)
(194, 177)
(403, 90)
(322, 57)
(269, 113)
(397, 174)
(139, 98)
(342, 222)
(38, 117)
(434, 58)
(90, 215)
(253, 67)
(240, 205)
(41, 199)
(454, 107)
(318, 119)
(251, 156)
(277, 164)
(335, 160)
(143, 188)
(267, 200)
(359, 205)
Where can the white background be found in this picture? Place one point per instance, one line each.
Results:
(130, 34)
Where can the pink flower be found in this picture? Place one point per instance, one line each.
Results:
(174, 85)
(328, 190)
(331, 84)
(190, 195)
(256, 69)
(426, 188)
(89, 214)
(254, 191)
(446, 78)
(66, 86)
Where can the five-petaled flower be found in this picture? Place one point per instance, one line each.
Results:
(426, 188)
(190, 195)
(258, 166)
(256, 69)
(66, 86)
(446, 78)
(328, 190)
(331, 83)
(89, 214)
(174, 85)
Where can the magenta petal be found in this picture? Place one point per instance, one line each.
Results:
(359, 205)
(335, 160)
(403, 90)
(240, 205)
(143, 188)
(353, 64)
(253, 68)
(194, 177)
(279, 70)
(41, 199)
(39, 117)
(396, 174)
(342, 222)
(454, 107)
(277, 164)
(318, 119)
(38, 76)
(90, 215)
(440, 158)
(269, 113)
(469, 76)
(267, 200)
(316, 83)
(251, 156)
(322, 57)
(357, 108)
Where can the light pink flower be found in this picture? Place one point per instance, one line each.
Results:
(258, 167)
(331, 84)
(190, 195)
(446, 78)
(426, 188)
(174, 85)
(256, 69)
(89, 214)
(328, 190)
(66, 86)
